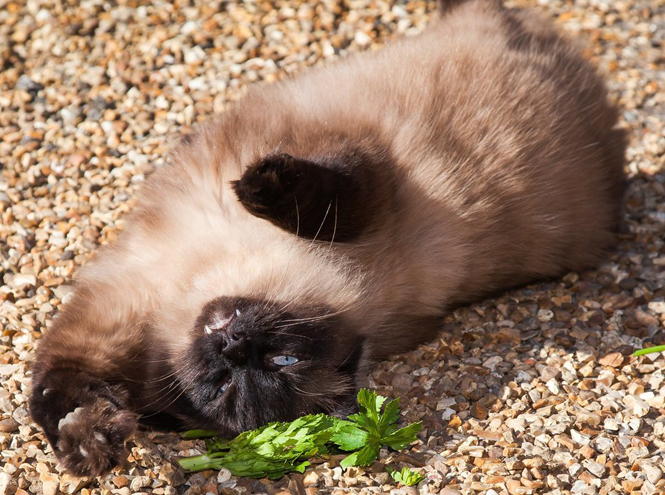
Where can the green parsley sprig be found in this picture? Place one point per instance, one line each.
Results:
(367, 431)
(406, 476)
(278, 448)
(270, 451)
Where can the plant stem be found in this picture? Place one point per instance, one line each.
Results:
(194, 434)
(201, 462)
(649, 350)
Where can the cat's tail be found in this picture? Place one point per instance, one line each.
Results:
(446, 6)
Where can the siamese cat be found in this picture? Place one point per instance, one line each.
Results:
(330, 220)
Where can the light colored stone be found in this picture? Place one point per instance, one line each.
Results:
(223, 475)
(654, 474)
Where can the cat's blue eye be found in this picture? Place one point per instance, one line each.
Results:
(283, 360)
(224, 386)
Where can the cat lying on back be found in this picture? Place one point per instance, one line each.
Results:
(330, 220)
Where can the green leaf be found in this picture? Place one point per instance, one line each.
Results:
(406, 476)
(348, 436)
(370, 403)
(403, 437)
(363, 457)
(217, 444)
(368, 454)
(365, 422)
(200, 463)
(349, 461)
(390, 415)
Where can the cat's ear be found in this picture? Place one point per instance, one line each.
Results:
(327, 199)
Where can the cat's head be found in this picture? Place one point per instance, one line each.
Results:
(251, 362)
(267, 319)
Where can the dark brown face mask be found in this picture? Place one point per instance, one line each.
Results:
(249, 364)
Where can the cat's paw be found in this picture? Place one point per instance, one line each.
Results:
(86, 420)
(91, 439)
(268, 184)
(327, 198)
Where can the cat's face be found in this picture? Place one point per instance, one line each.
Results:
(265, 323)
(251, 362)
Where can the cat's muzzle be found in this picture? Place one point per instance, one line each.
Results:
(224, 326)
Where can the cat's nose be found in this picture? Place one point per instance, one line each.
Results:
(223, 326)
(234, 345)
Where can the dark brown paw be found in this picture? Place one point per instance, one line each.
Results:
(85, 419)
(325, 199)
(268, 188)
(92, 438)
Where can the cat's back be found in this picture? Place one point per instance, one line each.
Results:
(466, 57)
(502, 136)
(481, 82)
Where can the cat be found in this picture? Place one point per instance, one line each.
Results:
(330, 220)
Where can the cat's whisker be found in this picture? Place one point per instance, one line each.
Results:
(153, 361)
(304, 393)
(292, 335)
(270, 283)
(286, 306)
(297, 217)
(321, 226)
(174, 373)
(297, 321)
(346, 359)
(184, 389)
(332, 240)
(163, 393)
(162, 390)
(159, 378)
(167, 389)
(309, 319)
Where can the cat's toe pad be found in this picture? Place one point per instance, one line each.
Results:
(72, 418)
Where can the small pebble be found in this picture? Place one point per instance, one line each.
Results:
(8, 425)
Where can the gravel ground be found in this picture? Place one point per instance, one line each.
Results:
(530, 392)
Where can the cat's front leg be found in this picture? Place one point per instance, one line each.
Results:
(335, 196)
(89, 370)
(86, 419)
